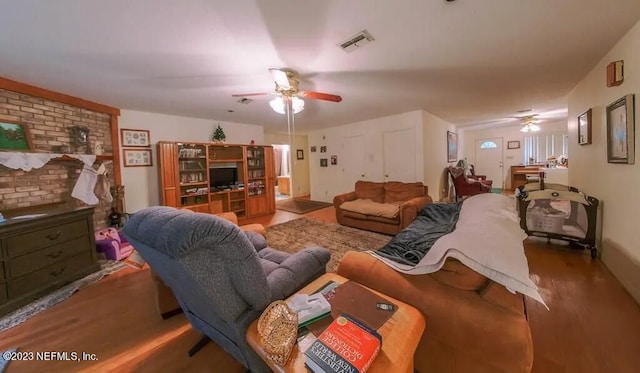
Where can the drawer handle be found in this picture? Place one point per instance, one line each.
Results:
(57, 273)
(55, 255)
(52, 237)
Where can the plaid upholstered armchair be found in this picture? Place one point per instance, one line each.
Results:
(222, 279)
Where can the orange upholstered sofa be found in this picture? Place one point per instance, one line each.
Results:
(473, 324)
(381, 207)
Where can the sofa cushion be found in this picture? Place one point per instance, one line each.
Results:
(370, 190)
(395, 220)
(354, 215)
(395, 191)
(371, 208)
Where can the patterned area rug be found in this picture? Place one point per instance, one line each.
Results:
(297, 234)
(20, 315)
(300, 206)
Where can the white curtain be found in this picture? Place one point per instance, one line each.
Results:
(538, 148)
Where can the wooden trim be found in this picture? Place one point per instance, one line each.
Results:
(115, 144)
(14, 86)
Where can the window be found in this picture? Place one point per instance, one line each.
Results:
(538, 148)
(488, 145)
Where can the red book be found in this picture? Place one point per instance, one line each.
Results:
(345, 346)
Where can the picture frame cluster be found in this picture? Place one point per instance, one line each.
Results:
(136, 147)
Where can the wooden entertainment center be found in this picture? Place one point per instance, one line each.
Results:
(214, 178)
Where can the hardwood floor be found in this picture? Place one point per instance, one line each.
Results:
(593, 324)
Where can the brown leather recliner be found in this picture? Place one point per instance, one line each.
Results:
(473, 324)
(465, 186)
(165, 300)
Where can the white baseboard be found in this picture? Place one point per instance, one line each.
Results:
(623, 266)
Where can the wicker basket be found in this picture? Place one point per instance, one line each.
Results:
(278, 327)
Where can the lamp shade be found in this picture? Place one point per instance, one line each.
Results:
(278, 105)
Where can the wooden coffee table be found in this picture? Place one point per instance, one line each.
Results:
(400, 337)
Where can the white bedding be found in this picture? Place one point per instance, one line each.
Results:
(487, 239)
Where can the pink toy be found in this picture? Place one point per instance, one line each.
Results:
(114, 246)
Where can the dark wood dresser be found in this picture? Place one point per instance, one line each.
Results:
(43, 249)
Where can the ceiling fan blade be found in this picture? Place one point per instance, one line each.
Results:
(251, 94)
(281, 78)
(320, 96)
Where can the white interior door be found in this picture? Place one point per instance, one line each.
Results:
(399, 155)
(488, 155)
(353, 160)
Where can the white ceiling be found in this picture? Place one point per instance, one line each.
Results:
(471, 62)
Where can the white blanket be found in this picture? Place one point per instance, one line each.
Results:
(487, 239)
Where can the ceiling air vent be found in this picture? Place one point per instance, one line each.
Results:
(245, 100)
(357, 41)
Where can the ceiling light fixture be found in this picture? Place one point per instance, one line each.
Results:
(278, 104)
(530, 127)
(529, 124)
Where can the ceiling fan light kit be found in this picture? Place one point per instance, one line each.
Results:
(278, 104)
(287, 91)
(529, 124)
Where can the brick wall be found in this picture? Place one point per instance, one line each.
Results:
(50, 124)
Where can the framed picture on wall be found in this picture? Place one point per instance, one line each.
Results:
(137, 157)
(334, 159)
(299, 154)
(584, 128)
(515, 144)
(621, 130)
(14, 137)
(323, 162)
(452, 146)
(135, 138)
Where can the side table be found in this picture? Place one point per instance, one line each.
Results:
(400, 337)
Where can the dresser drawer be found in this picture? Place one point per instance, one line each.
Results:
(49, 275)
(30, 241)
(33, 261)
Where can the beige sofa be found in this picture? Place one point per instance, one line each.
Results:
(381, 207)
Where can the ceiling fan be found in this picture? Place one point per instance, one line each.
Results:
(288, 92)
(530, 123)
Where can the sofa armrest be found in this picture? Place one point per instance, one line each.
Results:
(342, 198)
(297, 270)
(231, 216)
(411, 208)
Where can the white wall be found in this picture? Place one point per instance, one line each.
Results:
(141, 183)
(510, 157)
(616, 185)
(435, 153)
(430, 145)
(300, 168)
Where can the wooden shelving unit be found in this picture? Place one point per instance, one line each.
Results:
(198, 176)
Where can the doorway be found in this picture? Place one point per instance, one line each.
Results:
(399, 151)
(488, 158)
(282, 165)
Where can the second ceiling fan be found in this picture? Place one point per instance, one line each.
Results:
(288, 92)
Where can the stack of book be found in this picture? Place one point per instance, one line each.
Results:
(345, 346)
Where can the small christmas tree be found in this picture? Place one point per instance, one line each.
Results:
(218, 135)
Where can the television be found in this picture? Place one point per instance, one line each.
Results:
(223, 176)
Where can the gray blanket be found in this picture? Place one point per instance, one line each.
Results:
(412, 243)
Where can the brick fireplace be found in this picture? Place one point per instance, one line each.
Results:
(50, 124)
